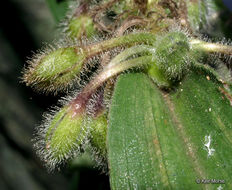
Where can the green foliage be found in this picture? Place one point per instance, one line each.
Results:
(162, 126)
(134, 152)
(167, 141)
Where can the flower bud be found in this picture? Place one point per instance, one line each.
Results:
(63, 136)
(81, 26)
(55, 70)
(98, 127)
(172, 55)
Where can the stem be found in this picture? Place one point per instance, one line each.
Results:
(100, 47)
(79, 103)
(130, 52)
(114, 70)
(211, 47)
(124, 41)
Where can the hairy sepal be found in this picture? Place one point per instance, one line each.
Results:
(98, 133)
(55, 70)
(60, 137)
(171, 58)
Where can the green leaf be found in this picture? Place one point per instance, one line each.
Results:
(58, 9)
(204, 114)
(138, 117)
(160, 140)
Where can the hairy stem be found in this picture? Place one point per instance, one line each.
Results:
(211, 47)
(140, 49)
(79, 103)
(123, 41)
(114, 70)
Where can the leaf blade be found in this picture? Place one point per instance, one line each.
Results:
(138, 114)
(153, 143)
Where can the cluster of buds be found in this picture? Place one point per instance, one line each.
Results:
(141, 38)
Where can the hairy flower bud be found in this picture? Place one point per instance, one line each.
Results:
(61, 137)
(98, 133)
(81, 26)
(172, 55)
(55, 70)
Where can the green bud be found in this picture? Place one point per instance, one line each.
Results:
(63, 136)
(172, 56)
(55, 70)
(81, 26)
(98, 127)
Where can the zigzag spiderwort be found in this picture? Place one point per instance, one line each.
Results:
(164, 52)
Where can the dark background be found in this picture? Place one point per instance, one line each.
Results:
(24, 26)
(228, 3)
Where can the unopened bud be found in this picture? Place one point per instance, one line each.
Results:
(172, 55)
(98, 134)
(55, 70)
(63, 136)
(81, 26)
